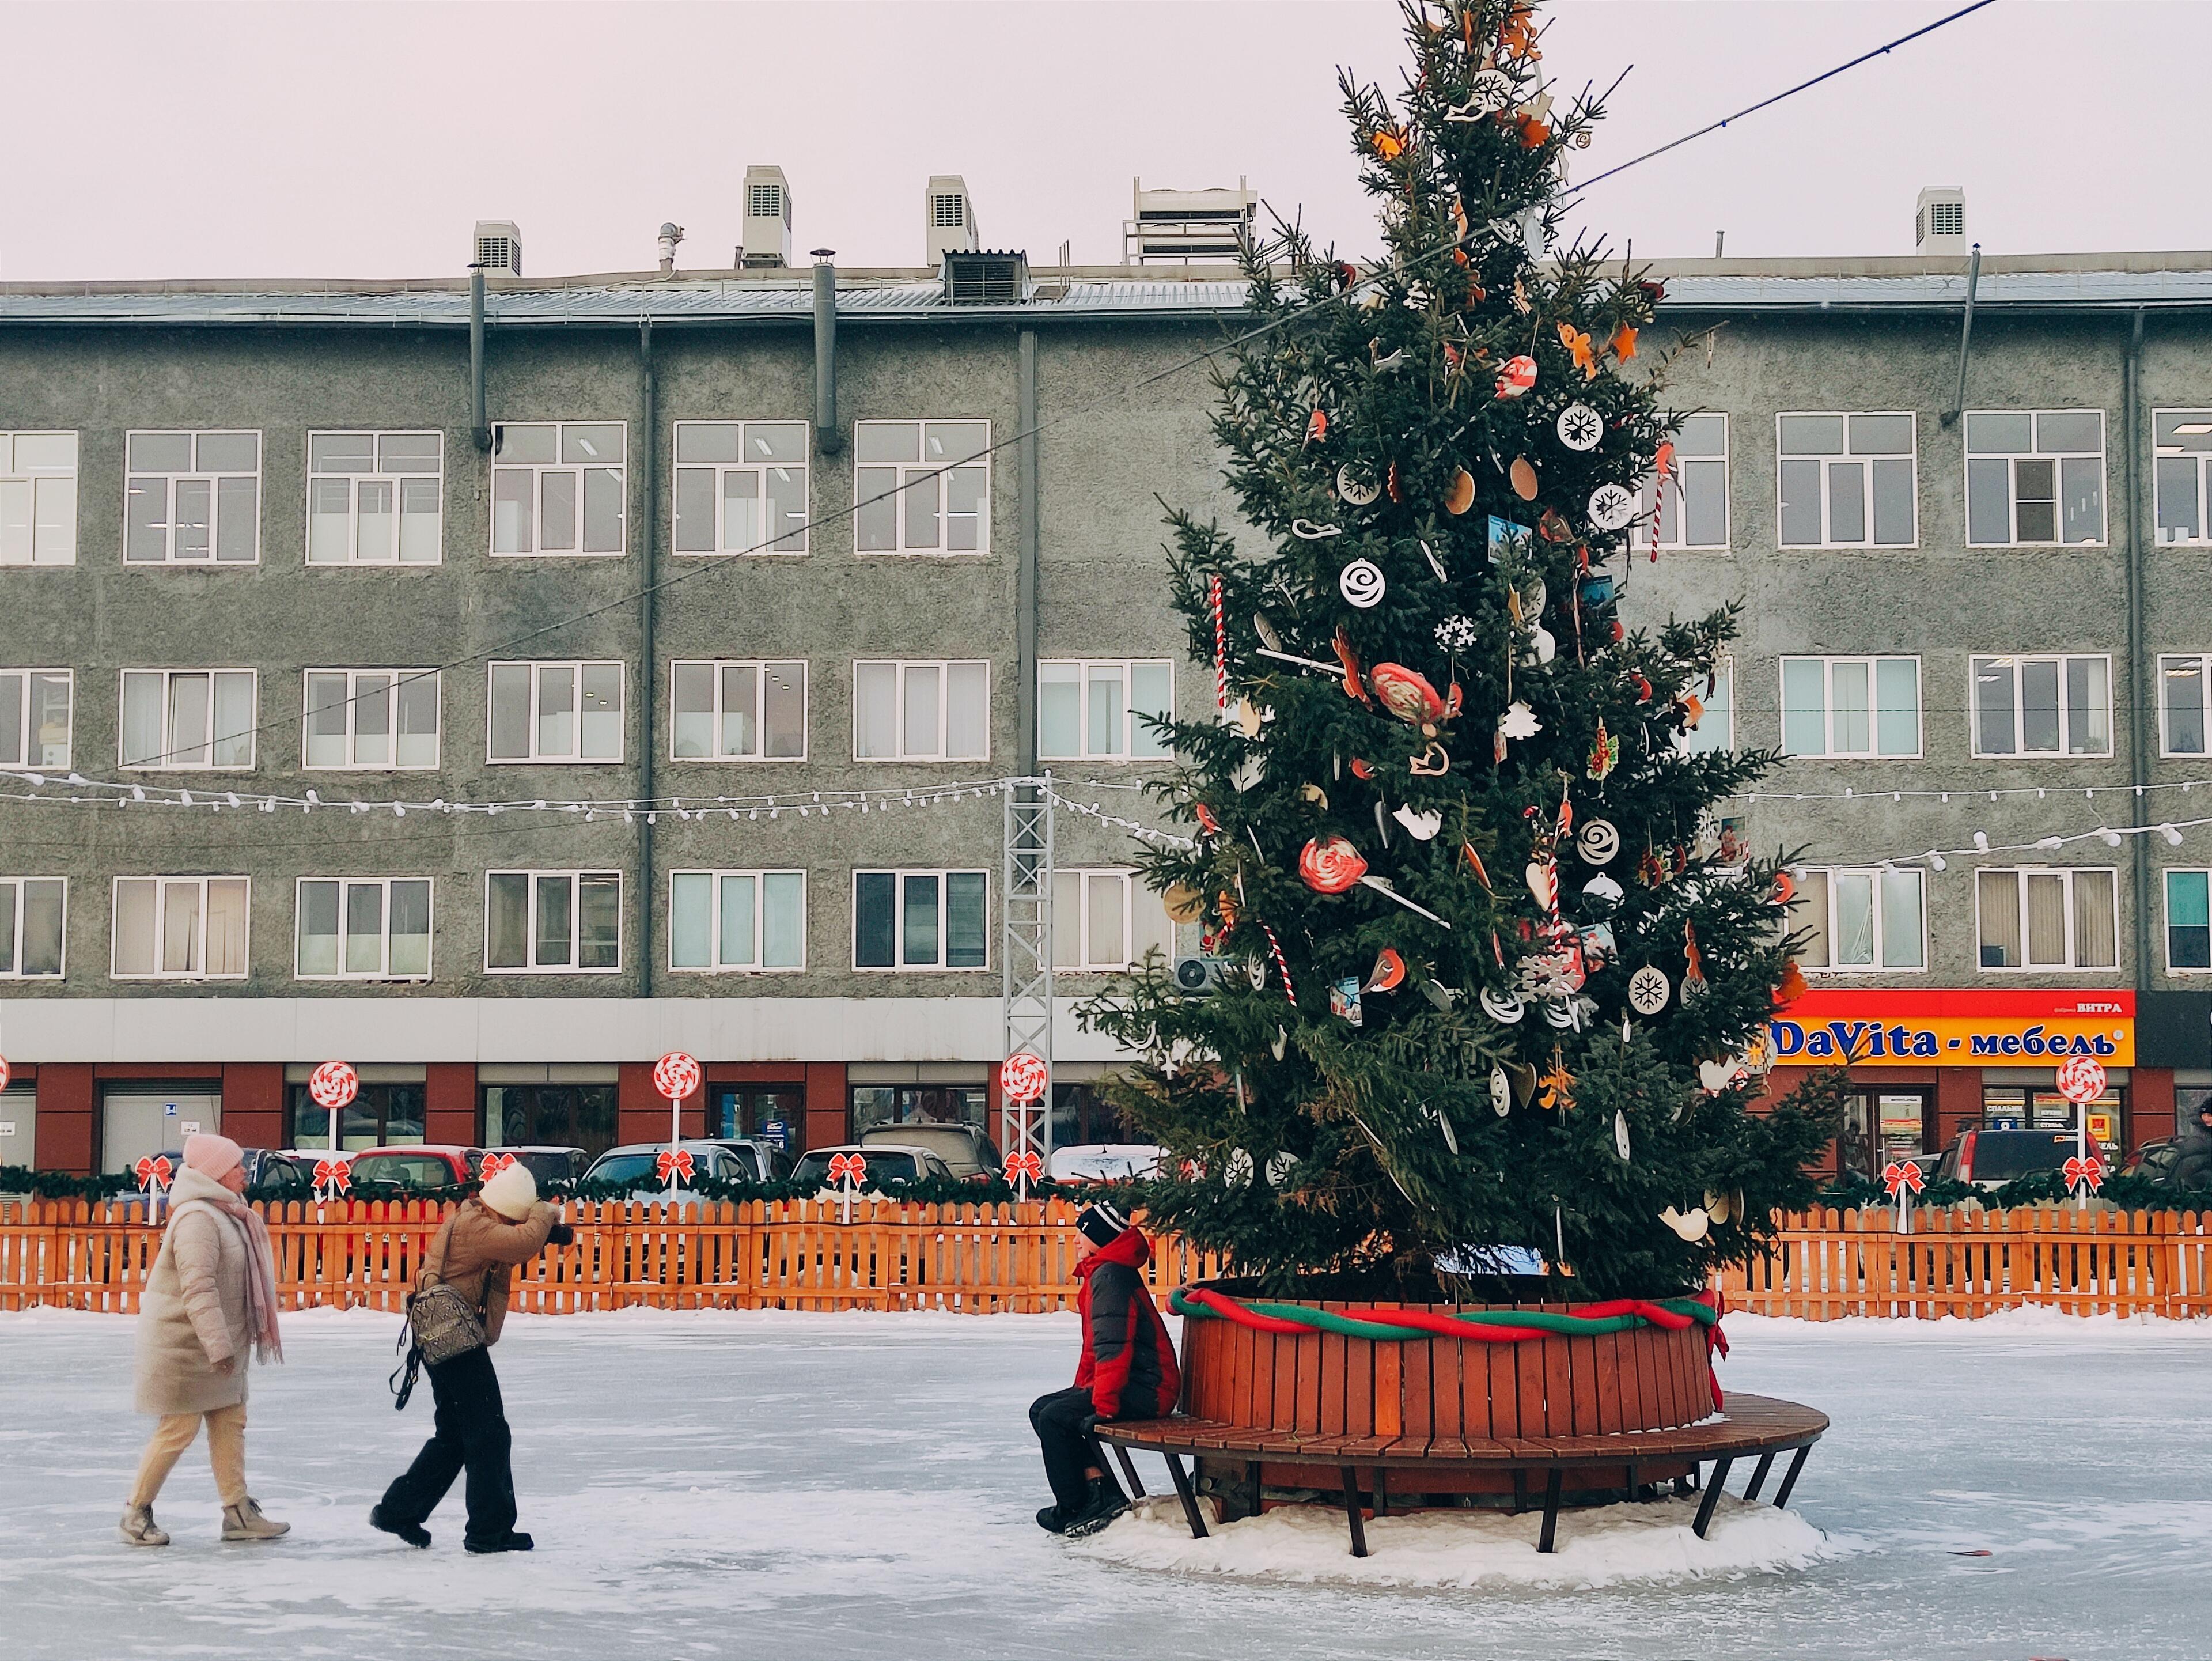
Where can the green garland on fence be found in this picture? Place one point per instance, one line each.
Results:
(1862, 1193)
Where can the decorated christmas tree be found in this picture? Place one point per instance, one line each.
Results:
(1491, 972)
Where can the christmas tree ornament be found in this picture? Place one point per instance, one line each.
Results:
(1693, 971)
(1445, 1124)
(1184, 904)
(1785, 889)
(1518, 375)
(1523, 477)
(1579, 348)
(1316, 426)
(1316, 794)
(1358, 490)
(1508, 541)
(1647, 989)
(1488, 92)
(1421, 824)
(1458, 634)
(1389, 973)
(1406, 693)
(1621, 1135)
(1534, 232)
(1362, 585)
(1207, 822)
(1623, 344)
(1248, 718)
(1504, 1007)
(1265, 629)
(1256, 972)
(1792, 985)
(1602, 889)
(1387, 145)
(1391, 486)
(1382, 826)
(1543, 645)
(1475, 864)
(1383, 886)
(1362, 769)
(1344, 999)
(1501, 1093)
(1605, 754)
(1716, 1207)
(1716, 1076)
(1598, 945)
(1432, 763)
(1690, 1227)
(1382, 365)
(1555, 1091)
(1330, 865)
(1282, 1045)
(1519, 721)
(1598, 589)
(1461, 498)
(1611, 506)
(1435, 564)
(1438, 994)
(1307, 531)
(1579, 426)
(1543, 876)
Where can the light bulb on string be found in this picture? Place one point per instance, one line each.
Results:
(1937, 861)
(2172, 836)
(2112, 837)
(1981, 842)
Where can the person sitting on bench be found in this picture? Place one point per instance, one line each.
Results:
(1127, 1371)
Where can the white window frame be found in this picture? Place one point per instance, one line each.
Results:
(354, 699)
(2165, 913)
(2019, 662)
(2020, 873)
(761, 668)
(923, 474)
(2201, 463)
(377, 475)
(1970, 455)
(792, 542)
(32, 487)
(1072, 921)
(530, 965)
(345, 935)
(538, 472)
(169, 477)
(538, 667)
(905, 667)
(2202, 662)
(1874, 708)
(161, 885)
(17, 971)
(25, 737)
(1876, 874)
(1723, 674)
(164, 760)
(716, 878)
(1133, 722)
(1644, 528)
(1827, 460)
(899, 875)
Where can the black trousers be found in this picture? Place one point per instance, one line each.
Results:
(471, 1435)
(1058, 1420)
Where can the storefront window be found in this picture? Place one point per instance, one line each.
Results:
(747, 1110)
(1081, 1116)
(919, 1103)
(549, 1116)
(1885, 1124)
(2014, 1108)
(380, 1115)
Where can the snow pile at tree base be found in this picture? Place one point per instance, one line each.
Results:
(1602, 1545)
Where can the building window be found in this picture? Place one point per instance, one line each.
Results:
(556, 487)
(921, 487)
(37, 498)
(926, 1104)
(919, 920)
(552, 1115)
(2035, 477)
(2181, 704)
(31, 909)
(1847, 481)
(1106, 920)
(2182, 440)
(1104, 709)
(2042, 706)
(381, 1115)
(1850, 707)
(2188, 920)
(363, 928)
(192, 499)
(568, 712)
(364, 719)
(1715, 726)
(180, 929)
(739, 710)
(34, 717)
(374, 498)
(736, 922)
(741, 487)
(921, 711)
(1858, 921)
(188, 718)
(1694, 512)
(538, 923)
(2048, 919)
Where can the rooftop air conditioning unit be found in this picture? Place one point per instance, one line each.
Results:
(1939, 221)
(499, 247)
(948, 217)
(985, 279)
(767, 243)
(1177, 226)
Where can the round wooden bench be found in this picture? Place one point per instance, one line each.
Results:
(1750, 1425)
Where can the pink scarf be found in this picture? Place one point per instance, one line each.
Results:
(260, 1275)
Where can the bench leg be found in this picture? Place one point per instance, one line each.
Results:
(1520, 1490)
(1553, 1481)
(1129, 1469)
(1381, 1492)
(1789, 1476)
(1252, 1472)
(1351, 1512)
(1713, 1497)
(1758, 1476)
(1190, 1510)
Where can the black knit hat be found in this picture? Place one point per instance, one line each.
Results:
(1100, 1224)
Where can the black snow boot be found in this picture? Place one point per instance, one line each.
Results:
(413, 1533)
(1106, 1503)
(1048, 1519)
(512, 1540)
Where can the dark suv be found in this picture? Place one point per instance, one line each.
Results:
(1991, 1159)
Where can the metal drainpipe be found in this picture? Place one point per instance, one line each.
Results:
(2141, 686)
(1965, 335)
(826, 437)
(479, 429)
(649, 674)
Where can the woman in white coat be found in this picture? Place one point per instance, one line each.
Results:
(209, 1304)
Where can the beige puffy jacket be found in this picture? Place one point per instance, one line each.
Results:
(475, 1252)
(192, 1313)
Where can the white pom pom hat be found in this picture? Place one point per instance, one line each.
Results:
(511, 1192)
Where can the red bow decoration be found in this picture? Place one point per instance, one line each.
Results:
(677, 1159)
(494, 1164)
(1024, 1164)
(335, 1174)
(1895, 1177)
(846, 1168)
(154, 1173)
(2090, 1170)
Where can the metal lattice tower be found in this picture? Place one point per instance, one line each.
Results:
(1025, 951)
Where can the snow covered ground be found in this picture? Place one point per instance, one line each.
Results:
(861, 1486)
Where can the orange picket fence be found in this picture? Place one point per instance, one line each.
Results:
(980, 1259)
(1828, 1264)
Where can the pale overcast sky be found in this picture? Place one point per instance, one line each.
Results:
(303, 140)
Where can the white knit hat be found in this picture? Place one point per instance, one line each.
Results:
(511, 1192)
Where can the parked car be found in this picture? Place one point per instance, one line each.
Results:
(1991, 1159)
(638, 1164)
(967, 1153)
(546, 1162)
(384, 1173)
(271, 1173)
(770, 1164)
(1105, 1162)
(888, 1166)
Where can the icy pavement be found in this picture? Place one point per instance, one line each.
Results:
(831, 1486)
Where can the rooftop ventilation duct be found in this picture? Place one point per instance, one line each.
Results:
(767, 240)
(948, 217)
(985, 278)
(1177, 226)
(499, 247)
(1939, 221)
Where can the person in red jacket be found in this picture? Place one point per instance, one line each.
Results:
(1127, 1371)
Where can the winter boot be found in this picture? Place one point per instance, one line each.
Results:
(413, 1533)
(1106, 1503)
(137, 1528)
(512, 1540)
(245, 1522)
(1048, 1519)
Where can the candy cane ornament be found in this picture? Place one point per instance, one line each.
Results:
(1220, 646)
(1282, 964)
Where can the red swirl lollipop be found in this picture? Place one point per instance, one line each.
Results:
(1330, 865)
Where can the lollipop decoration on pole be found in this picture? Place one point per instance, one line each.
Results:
(846, 1169)
(2081, 1081)
(332, 1085)
(1025, 1078)
(675, 1076)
